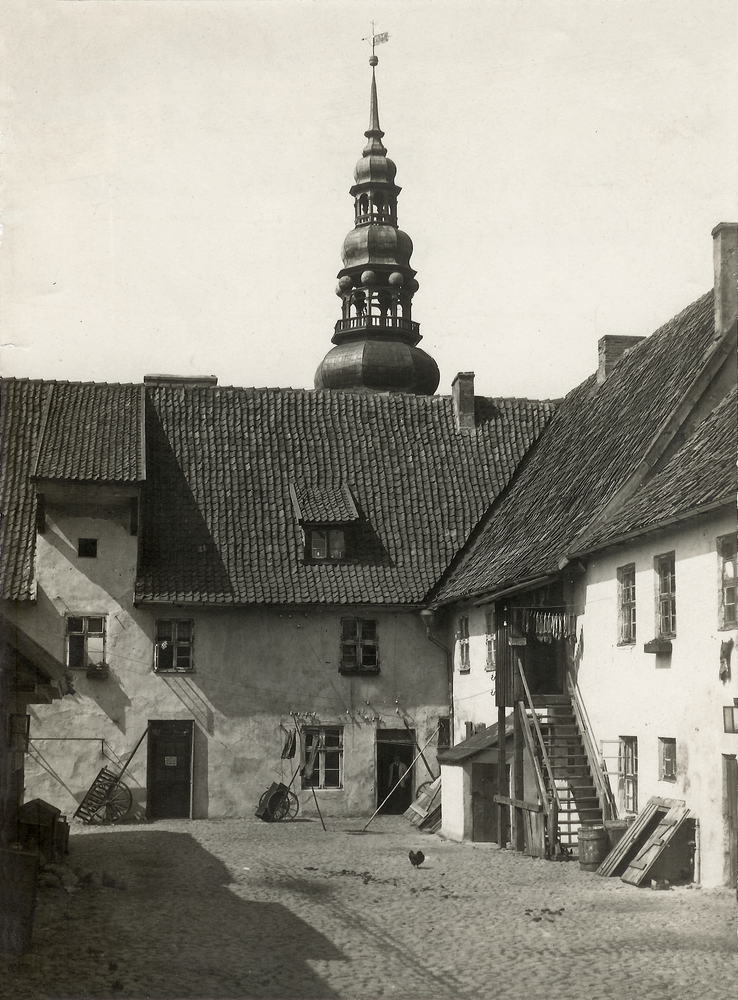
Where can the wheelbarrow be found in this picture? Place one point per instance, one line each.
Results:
(277, 803)
(108, 798)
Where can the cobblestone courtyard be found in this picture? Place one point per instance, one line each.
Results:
(239, 908)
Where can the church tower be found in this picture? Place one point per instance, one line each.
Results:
(376, 336)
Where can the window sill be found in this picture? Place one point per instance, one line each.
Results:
(660, 645)
(626, 644)
(352, 671)
(464, 670)
(732, 627)
(177, 673)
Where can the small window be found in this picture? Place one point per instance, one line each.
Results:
(727, 555)
(359, 646)
(326, 544)
(490, 636)
(463, 637)
(87, 548)
(173, 645)
(667, 758)
(85, 641)
(628, 773)
(665, 568)
(627, 604)
(323, 766)
(444, 732)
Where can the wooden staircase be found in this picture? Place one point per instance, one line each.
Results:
(573, 779)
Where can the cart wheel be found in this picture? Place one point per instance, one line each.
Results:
(118, 802)
(278, 805)
(293, 806)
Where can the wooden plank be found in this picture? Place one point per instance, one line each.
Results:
(519, 803)
(639, 867)
(628, 846)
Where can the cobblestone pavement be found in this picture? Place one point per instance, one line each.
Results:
(242, 909)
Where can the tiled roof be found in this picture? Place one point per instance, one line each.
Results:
(701, 475)
(595, 442)
(218, 521)
(324, 504)
(92, 432)
(59, 430)
(21, 413)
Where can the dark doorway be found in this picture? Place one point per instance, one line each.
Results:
(169, 770)
(484, 810)
(730, 816)
(395, 753)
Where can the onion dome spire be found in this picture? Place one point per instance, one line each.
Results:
(376, 336)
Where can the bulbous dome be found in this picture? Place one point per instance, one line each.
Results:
(377, 244)
(378, 366)
(375, 170)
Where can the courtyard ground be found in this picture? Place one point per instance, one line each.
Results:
(244, 909)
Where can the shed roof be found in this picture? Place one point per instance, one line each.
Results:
(473, 745)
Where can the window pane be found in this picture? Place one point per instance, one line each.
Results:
(319, 544)
(95, 625)
(368, 628)
(348, 655)
(349, 628)
(369, 655)
(75, 625)
(163, 630)
(76, 650)
(337, 545)
(165, 655)
(95, 649)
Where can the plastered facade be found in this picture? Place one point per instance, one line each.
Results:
(652, 697)
(256, 672)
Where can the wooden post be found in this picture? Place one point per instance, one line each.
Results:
(518, 792)
(502, 782)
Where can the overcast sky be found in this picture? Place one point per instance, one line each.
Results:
(177, 176)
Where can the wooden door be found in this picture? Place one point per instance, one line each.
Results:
(169, 770)
(395, 752)
(484, 809)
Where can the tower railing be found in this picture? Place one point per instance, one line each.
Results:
(378, 323)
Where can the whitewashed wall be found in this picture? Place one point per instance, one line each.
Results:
(632, 693)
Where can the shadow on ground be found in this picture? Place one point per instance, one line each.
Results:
(153, 917)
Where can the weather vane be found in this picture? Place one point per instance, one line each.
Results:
(376, 40)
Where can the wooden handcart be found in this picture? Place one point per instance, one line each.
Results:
(108, 798)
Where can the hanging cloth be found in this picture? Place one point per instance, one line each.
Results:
(288, 750)
(726, 648)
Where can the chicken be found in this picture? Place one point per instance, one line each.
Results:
(416, 858)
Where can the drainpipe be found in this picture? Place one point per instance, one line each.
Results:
(428, 617)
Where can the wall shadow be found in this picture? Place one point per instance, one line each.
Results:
(157, 919)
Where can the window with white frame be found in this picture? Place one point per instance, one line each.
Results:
(173, 645)
(490, 634)
(628, 773)
(323, 766)
(359, 646)
(85, 641)
(627, 604)
(727, 556)
(463, 637)
(666, 574)
(667, 758)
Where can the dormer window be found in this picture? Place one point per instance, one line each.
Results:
(327, 514)
(327, 543)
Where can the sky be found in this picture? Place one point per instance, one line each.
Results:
(176, 178)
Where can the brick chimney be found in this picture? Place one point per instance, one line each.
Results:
(725, 259)
(610, 350)
(462, 395)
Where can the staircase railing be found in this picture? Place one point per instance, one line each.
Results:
(602, 785)
(539, 736)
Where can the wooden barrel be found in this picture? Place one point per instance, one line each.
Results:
(592, 847)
